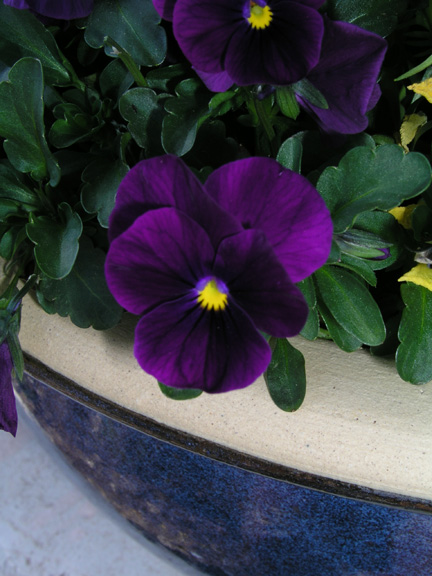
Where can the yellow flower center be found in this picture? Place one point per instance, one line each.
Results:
(213, 296)
(260, 16)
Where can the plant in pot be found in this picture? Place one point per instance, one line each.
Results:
(231, 173)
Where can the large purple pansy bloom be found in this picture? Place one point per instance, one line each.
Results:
(206, 282)
(8, 412)
(254, 42)
(347, 75)
(59, 9)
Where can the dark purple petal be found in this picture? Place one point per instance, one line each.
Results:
(217, 37)
(162, 256)
(283, 204)
(260, 285)
(216, 82)
(347, 75)
(166, 181)
(59, 9)
(8, 412)
(184, 346)
(165, 8)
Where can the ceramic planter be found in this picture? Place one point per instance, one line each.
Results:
(342, 487)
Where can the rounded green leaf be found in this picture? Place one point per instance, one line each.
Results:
(414, 354)
(179, 393)
(133, 25)
(56, 241)
(351, 304)
(22, 123)
(368, 179)
(285, 376)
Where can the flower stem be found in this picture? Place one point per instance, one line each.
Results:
(127, 61)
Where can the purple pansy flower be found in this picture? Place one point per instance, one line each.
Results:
(8, 412)
(346, 75)
(59, 9)
(205, 281)
(254, 42)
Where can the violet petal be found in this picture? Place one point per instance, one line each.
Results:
(160, 257)
(184, 346)
(162, 182)
(165, 8)
(260, 285)
(216, 37)
(347, 76)
(8, 412)
(59, 9)
(283, 204)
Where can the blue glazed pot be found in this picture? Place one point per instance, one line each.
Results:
(226, 511)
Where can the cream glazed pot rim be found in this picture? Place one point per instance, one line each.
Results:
(360, 426)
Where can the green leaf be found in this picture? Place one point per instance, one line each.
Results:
(290, 154)
(379, 16)
(351, 304)
(56, 241)
(179, 393)
(83, 294)
(186, 112)
(344, 339)
(24, 35)
(285, 376)
(21, 122)
(14, 187)
(142, 109)
(133, 24)
(413, 356)
(114, 80)
(386, 227)
(163, 77)
(369, 179)
(307, 91)
(101, 179)
(359, 266)
(78, 118)
(286, 100)
(311, 328)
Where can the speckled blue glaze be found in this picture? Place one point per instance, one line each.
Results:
(223, 519)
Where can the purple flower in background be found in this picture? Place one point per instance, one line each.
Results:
(254, 42)
(346, 75)
(8, 412)
(205, 281)
(165, 8)
(59, 9)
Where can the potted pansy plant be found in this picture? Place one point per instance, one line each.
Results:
(222, 201)
(232, 173)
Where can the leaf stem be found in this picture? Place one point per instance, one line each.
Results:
(127, 61)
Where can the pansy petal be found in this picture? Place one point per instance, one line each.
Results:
(160, 257)
(347, 76)
(8, 412)
(184, 346)
(59, 9)
(217, 36)
(165, 8)
(166, 181)
(283, 204)
(216, 82)
(260, 285)
(282, 53)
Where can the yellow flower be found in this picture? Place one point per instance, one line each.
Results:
(420, 274)
(403, 214)
(408, 130)
(423, 88)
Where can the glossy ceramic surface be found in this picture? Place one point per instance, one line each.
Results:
(224, 519)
